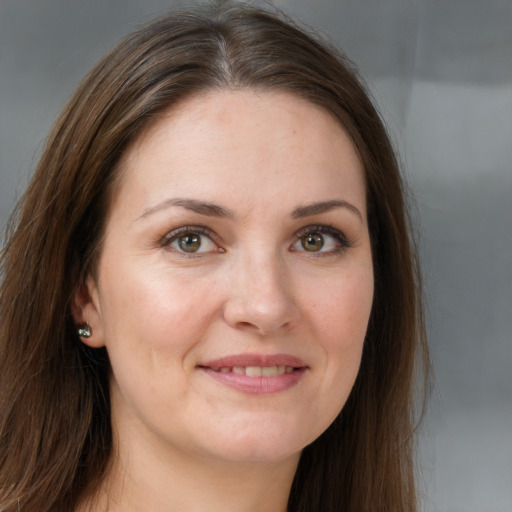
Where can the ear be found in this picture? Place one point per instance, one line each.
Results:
(86, 308)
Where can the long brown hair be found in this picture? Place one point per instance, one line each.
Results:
(55, 433)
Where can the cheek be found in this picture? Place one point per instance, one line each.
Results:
(150, 310)
(341, 308)
(338, 311)
(340, 321)
(153, 321)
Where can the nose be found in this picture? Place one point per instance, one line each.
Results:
(261, 297)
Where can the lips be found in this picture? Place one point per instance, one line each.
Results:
(261, 360)
(255, 373)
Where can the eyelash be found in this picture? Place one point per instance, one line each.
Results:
(169, 238)
(342, 241)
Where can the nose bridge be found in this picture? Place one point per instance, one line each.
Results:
(261, 292)
(266, 274)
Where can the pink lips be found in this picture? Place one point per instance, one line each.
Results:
(256, 373)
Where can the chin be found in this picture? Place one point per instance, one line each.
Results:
(258, 444)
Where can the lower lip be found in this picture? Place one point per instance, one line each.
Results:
(257, 385)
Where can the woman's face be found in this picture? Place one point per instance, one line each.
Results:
(235, 282)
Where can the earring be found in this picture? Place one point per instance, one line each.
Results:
(85, 331)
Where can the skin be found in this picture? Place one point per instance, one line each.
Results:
(184, 440)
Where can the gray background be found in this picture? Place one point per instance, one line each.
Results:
(441, 71)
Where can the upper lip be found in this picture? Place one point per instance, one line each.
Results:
(255, 360)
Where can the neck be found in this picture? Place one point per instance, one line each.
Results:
(142, 479)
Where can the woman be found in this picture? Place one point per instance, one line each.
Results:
(210, 301)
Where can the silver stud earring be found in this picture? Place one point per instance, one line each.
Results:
(85, 331)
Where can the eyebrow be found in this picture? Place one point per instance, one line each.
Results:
(324, 206)
(201, 207)
(214, 210)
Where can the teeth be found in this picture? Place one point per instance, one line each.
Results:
(253, 371)
(257, 371)
(271, 371)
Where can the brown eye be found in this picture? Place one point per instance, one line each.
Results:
(320, 240)
(189, 243)
(191, 240)
(312, 242)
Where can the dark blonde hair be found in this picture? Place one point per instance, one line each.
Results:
(55, 432)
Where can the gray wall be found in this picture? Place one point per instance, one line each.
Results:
(441, 71)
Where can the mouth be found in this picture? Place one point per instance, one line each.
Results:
(256, 374)
(256, 371)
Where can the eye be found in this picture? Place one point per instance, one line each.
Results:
(191, 240)
(320, 239)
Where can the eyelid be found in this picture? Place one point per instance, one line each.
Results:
(168, 238)
(335, 233)
(323, 229)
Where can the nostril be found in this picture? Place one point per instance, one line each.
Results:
(248, 326)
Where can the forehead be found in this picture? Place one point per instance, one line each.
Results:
(231, 141)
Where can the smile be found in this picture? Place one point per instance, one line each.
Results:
(256, 374)
(256, 371)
